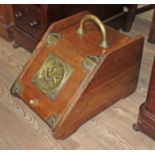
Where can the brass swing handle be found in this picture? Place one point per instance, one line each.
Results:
(97, 21)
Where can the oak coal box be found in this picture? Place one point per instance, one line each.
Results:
(79, 68)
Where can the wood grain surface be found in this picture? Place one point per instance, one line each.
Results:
(21, 128)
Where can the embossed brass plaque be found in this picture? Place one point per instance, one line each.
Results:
(52, 76)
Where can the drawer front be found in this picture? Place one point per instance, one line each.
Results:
(30, 19)
(24, 40)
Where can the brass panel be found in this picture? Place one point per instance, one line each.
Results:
(52, 76)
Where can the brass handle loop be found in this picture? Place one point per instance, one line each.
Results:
(97, 21)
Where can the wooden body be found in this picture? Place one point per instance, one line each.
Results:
(6, 22)
(87, 92)
(32, 21)
(146, 119)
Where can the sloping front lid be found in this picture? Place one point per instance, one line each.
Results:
(55, 78)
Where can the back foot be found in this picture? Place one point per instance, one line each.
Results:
(136, 127)
(15, 45)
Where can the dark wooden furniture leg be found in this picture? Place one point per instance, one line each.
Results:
(151, 38)
(133, 10)
(146, 119)
(130, 17)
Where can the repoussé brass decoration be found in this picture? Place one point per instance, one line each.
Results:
(53, 38)
(52, 121)
(52, 76)
(17, 88)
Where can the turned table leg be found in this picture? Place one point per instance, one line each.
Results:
(130, 17)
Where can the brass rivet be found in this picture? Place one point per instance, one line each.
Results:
(34, 102)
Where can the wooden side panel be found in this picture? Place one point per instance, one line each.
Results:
(116, 79)
(6, 14)
(25, 39)
(6, 21)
